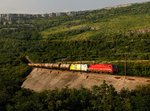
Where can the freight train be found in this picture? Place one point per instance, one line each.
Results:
(99, 68)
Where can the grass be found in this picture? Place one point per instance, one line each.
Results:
(59, 29)
(123, 23)
(112, 26)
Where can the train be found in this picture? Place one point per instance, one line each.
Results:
(97, 68)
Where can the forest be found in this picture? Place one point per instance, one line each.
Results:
(105, 35)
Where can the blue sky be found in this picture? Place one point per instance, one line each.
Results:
(48, 6)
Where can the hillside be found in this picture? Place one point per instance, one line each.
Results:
(101, 24)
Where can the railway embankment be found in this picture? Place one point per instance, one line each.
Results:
(46, 79)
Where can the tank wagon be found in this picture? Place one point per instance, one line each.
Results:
(98, 68)
(65, 66)
(78, 67)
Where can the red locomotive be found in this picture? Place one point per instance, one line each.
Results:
(103, 68)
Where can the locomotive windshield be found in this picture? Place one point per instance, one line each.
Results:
(115, 68)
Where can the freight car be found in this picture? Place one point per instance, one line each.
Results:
(78, 67)
(65, 66)
(100, 68)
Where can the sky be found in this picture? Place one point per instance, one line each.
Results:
(48, 6)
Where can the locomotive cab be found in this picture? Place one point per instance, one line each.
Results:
(115, 68)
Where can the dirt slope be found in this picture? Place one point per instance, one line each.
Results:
(44, 79)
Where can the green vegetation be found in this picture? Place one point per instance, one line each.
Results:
(99, 35)
(99, 98)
